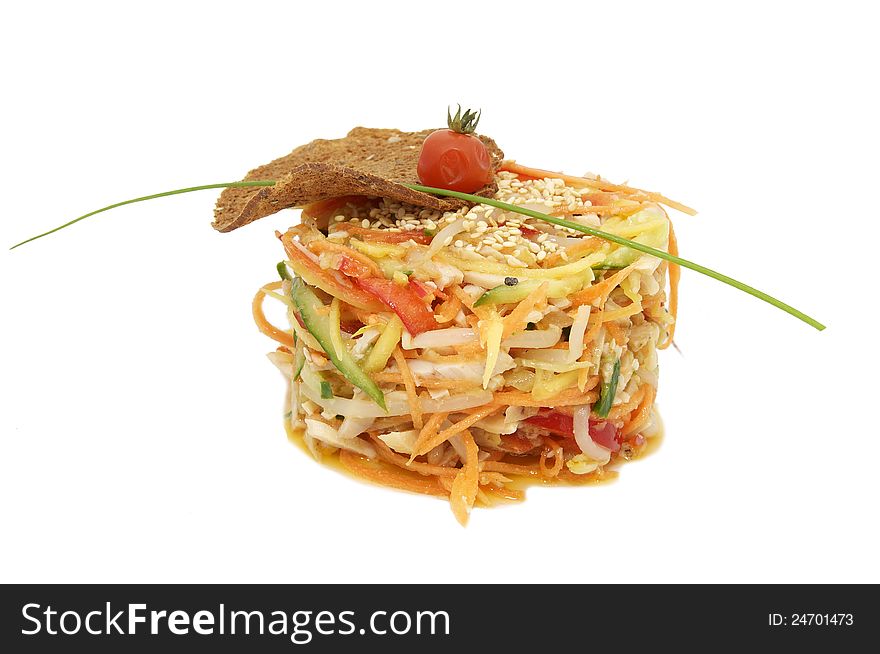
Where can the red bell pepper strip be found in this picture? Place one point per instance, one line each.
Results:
(385, 236)
(403, 300)
(602, 432)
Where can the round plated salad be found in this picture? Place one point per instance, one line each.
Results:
(460, 325)
(461, 353)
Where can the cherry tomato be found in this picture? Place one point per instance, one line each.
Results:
(454, 161)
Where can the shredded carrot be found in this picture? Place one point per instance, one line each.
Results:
(466, 300)
(602, 209)
(428, 432)
(511, 468)
(385, 475)
(447, 311)
(487, 478)
(428, 444)
(574, 251)
(599, 198)
(558, 462)
(385, 236)
(464, 488)
(594, 326)
(601, 290)
(517, 320)
(674, 277)
(410, 385)
(600, 184)
(616, 332)
(622, 410)
(451, 384)
(568, 397)
(639, 418)
(446, 483)
(270, 330)
(326, 245)
(400, 461)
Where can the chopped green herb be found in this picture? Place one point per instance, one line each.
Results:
(326, 390)
(609, 390)
(430, 232)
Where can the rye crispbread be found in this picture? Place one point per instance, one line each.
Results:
(367, 161)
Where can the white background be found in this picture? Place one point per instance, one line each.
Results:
(140, 429)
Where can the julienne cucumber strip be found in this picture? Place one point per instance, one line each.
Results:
(684, 263)
(308, 307)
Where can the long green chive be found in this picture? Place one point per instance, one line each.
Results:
(684, 263)
(647, 249)
(148, 197)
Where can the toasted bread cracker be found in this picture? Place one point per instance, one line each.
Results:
(367, 161)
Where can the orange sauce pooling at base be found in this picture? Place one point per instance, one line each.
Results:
(386, 474)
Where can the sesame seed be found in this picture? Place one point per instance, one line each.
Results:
(541, 255)
(459, 243)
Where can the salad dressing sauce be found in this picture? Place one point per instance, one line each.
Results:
(610, 473)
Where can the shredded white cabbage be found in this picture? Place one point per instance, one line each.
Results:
(400, 441)
(538, 338)
(439, 338)
(576, 335)
(326, 434)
